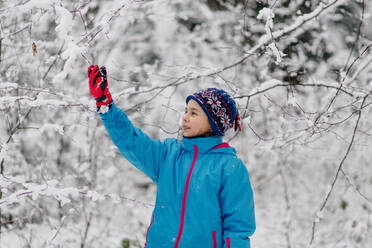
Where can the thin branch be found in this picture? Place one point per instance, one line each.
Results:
(358, 36)
(341, 84)
(12, 132)
(55, 60)
(185, 79)
(259, 136)
(294, 85)
(16, 5)
(99, 28)
(355, 187)
(339, 167)
(288, 207)
(359, 70)
(355, 60)
(115, 198)
(16, 32)
(1, 41)
(59, 228)
(86, 230)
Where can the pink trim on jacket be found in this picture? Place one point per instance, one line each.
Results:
(152, 221)
(185, 197)
(228, 242)
(214, 239)
(224, 144)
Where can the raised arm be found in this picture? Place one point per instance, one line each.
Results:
(138, 148)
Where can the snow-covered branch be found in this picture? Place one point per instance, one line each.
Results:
(50, 189)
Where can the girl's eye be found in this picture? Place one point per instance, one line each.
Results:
(192, 112)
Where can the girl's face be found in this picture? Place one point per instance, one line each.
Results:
(195, 122)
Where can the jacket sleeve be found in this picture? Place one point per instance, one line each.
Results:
(236, 199)
(138, 148)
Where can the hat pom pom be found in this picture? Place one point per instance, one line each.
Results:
(238, 124)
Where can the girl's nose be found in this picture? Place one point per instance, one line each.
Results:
(185, 118)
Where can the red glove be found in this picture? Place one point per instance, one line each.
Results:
(98, 85)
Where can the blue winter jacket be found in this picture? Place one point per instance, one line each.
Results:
(204, 196)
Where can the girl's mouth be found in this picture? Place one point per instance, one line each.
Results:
(185, 127)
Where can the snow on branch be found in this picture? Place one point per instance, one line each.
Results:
(266, 39)
(268, 15)
(50, 188)
(39, 4)
(42, 98)
(300, 21)
(26, 101)
(64, 22)
(104, 25)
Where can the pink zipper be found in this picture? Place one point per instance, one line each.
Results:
(214, 239)
(185, 197)
(152, 221)
(228, 242)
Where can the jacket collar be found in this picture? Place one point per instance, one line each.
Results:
(204, 144)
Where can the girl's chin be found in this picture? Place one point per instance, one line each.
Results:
(190, 135)
(187, 134)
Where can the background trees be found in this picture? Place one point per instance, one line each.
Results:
(300, 71)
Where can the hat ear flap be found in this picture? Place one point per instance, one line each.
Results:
(238, 124)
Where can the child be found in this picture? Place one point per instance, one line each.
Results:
(204, 196)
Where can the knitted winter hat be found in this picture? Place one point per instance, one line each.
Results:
(220, 109)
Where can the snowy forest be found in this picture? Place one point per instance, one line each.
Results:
(300, 72)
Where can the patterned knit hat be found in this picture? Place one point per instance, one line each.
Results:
(220, 109)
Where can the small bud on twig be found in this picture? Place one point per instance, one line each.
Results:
(34, 48)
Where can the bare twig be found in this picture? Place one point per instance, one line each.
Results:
(86, 230)
(355, 187)
(288, 207)
(11, 133)
(339, 167)
(55, 60)
(99, 28)
(59, 228)
(86, 59)
(18, 31)
(1, 40)
(259, 136)
(341, 85)
(294, 85)
(358, 36)
(355, 60)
